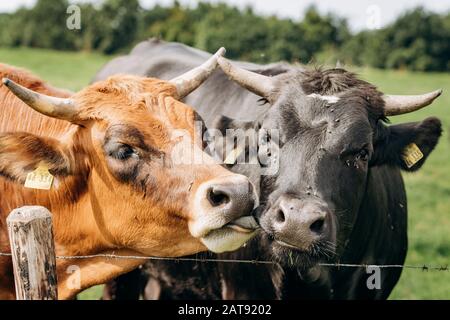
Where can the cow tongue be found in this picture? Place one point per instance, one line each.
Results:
(245, 224)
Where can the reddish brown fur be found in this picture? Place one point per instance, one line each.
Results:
(93, 212)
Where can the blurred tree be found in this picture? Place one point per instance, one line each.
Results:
(92, 30)
(43, 26)
(149, 18)
(418, 40)
(285, 41)
(317, 31)
(243, 33)
(178, 25)
(117, 24)
(6, 38)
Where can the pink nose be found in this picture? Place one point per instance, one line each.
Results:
(233, 196)
(221, 201)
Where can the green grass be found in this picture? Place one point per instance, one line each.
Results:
(67, 70)
(428, 190)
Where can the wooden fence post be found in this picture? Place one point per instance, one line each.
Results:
(33, 253)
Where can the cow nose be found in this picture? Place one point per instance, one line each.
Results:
(232, 196)
(218, 195)
(300, 222)
(220, 201)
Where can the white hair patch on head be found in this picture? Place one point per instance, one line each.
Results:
(329, 99)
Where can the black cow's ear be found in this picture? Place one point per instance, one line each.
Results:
(222, 143)
(22, 153)
(407, 145)
(222, 123)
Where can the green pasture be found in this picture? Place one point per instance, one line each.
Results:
(428, 190)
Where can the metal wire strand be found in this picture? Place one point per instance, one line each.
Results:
(423, 267)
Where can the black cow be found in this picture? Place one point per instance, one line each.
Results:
(338, 195)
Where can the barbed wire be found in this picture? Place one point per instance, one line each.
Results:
(424, 267)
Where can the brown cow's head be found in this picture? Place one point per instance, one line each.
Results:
(126, 157)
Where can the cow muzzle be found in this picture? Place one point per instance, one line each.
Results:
(299, 224)
(222, 213)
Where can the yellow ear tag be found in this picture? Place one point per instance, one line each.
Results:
(411, 155)
(233, 155)
(40, 178)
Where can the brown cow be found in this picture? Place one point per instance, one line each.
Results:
(117, 186)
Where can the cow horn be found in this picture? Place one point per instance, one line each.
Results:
(254, 82)
(61, 108)
(191, 80)
(396, 105)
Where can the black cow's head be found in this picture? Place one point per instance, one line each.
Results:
(332, 131)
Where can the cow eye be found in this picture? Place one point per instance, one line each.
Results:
(266, 148)
(123, 152)
(363, 155)
(264, 137)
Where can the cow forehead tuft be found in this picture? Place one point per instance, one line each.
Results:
(130, 86)
(123, 91)
(329, 99)
(332, 81)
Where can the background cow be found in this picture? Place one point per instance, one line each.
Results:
(338, 196)
(118, 187)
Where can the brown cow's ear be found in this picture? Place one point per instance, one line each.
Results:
(21, 153)
(407, 145)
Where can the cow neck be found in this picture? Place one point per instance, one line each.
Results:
(359, 208)
(77, 234)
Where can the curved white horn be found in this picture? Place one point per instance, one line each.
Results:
(257, 83)
(396, 104)
(191, 80)
(61, 108)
